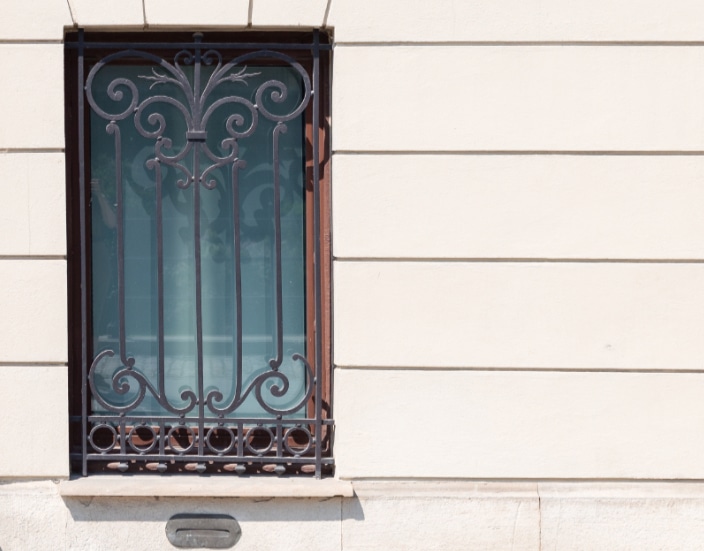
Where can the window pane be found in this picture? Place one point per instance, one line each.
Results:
(126, 181)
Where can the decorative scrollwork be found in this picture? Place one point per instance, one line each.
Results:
(120, 384)
(198, 111)
(280, 387)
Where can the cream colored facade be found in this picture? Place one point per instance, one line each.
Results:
(518, 188)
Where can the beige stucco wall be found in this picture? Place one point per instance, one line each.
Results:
(518, 280)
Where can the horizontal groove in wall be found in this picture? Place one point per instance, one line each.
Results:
(30, 150)
(32, 364)
(32, 257)
(523, 260)
(431, 369)
(608, 43)
(536, 152)
(528, 480)
(26, 41)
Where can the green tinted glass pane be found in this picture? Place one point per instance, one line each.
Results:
(218, 209)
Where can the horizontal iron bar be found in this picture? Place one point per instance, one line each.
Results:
(193, 45)
(307, 460)
(246, 421)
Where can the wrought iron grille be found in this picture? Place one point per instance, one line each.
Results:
(171, 127)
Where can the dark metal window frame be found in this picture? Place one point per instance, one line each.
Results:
(275, 444)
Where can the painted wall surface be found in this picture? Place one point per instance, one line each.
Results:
(518, 273)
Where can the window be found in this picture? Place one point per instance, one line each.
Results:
(199, 252)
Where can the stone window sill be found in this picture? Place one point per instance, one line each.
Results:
(187, 486)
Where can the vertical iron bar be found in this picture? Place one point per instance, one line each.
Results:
(238, 276)
(160, 281)
(161, 438)
(120, 244)
(199, 301)
(84, 262)
(279, 438)
(240, 441)
(317, 261)
(122, 436)
(275, 363)
(196, 208)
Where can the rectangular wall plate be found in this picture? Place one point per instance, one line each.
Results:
(189, 531)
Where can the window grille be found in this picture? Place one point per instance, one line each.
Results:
(200, 253)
